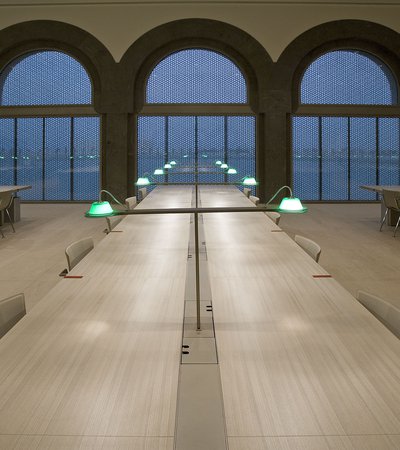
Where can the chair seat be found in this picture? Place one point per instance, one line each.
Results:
(12, 309)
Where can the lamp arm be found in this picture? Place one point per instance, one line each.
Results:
(277, 192)
(109, 193)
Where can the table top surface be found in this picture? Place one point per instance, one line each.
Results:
(379, 188)
(96, 362)
(15, 188)
(302, 362)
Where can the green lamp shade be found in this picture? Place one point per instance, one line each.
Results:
(167, 166)
(158, 172)
(218, 163)
(291, 204)
(173, 163)
(224, 166)
(232, 171)
(100, 209)
(142, 181)
(249, 181)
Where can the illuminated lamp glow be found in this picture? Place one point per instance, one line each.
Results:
(142, 181)
(167, 166)
(173, 163)
(232, 171)
(218, 163)
(249, 181)
(100, 209)
(158, 172)
(224, 166)
(291, 204)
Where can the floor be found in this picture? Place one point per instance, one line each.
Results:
(32, 258)
(353, 249)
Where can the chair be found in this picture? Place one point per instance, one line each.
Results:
(130, 202)
(76, 251)
(247, 192)
(12, 309)
(391, 201)
(275, 216)
(254, 199)
(386, 313)
(112, 222)
(309, 246)
(6, 199)
(143, 193)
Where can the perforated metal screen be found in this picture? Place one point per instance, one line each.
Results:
(45, 78)
(196, 143)
(348, 77)
(333, 156)
(58, 156)
(196, 76)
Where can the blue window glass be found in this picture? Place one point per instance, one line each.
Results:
(348, 77)
(363, 153)
(339, 154)
(196, 76)
(306, 157)
(86, 158)
(196, 143)
(7, 156)
(45, 78)
(333, 156)
(389, 151)
(58, 156)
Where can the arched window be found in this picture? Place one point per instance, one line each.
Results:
(196, 76)
(48, 128)
(348, 77)
(196, 113)
(345, 141)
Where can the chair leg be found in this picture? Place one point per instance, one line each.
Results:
(397, 224)
(9, 218)
(2, 234)
(383, 220)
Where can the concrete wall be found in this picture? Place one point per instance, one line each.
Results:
(274, 24)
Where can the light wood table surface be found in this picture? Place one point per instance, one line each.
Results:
(15, 210)
(303, 364)
(95, 364)
(392, 216)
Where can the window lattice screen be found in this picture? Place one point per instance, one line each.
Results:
(333, 156)
(196, 142)
(348, 77)
(45, 78)
(58, 156)
(196, 76)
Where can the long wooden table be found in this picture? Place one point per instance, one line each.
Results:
(303, 364)
(95, 364)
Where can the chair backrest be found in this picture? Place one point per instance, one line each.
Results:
(387, 313)
(112, 222)
(390, 198)
(76, 251)
(254, 199)
(12, 309)
(6, 199)
(130, 202)
(309, 246)
(247, 192)
(143, 193)
(275, 216)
